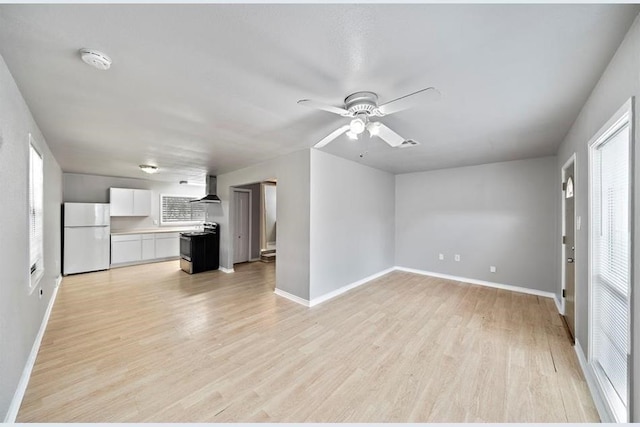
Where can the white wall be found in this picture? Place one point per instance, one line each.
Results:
(352, 222)
(21, 313)
(292, 174)
(500, 214)
(83, 188)
(619, 82)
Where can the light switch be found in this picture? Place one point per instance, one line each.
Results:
(441, 257)
(578, 222)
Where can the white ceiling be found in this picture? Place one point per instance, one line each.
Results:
(210, 88)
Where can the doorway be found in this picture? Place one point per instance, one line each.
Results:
(241, 225)
(268, 240)
(569, 245)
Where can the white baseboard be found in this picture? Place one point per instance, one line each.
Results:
(140, 262)
(226, 270)
(558, 304)
(603, 411)
(479, 282)
(58, 280)
(291, 297)
(339, 291)
(12, 413)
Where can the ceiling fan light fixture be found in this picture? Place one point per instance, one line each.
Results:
(148, 168)
(357, 126)
(373, 128)
(351, 135)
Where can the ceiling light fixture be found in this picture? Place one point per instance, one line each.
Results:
(149, 168)
(374, 128)
(95, 58)
(357, 125)
(351, 135)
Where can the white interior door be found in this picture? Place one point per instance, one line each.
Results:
(242, 236)
(569, 249)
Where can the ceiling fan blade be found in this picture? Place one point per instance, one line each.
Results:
(389, 136)
(404, 102)
(320, 106)
(333, 135)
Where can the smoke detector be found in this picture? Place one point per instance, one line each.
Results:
(95, 58)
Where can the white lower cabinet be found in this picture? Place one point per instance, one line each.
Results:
(126, 248)
(148, 247)
(167, 245)
(137, 248)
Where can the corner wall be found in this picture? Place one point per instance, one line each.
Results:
(498, 214)
(21, 313)
(352, 222)
(292, 173)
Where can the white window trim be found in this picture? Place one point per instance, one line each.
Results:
(36, 276)
(173, 223)
(614, 407)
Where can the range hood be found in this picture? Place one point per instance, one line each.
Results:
(212, 184)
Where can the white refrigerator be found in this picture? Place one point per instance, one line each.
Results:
(86, 237)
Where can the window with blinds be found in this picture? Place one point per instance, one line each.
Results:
(36, 213)
(610, 264)
(179, 210)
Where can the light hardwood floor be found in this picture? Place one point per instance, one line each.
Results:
(151, 343)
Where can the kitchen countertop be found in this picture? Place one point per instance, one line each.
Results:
(156, 230)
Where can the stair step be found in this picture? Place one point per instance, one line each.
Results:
(268, 257)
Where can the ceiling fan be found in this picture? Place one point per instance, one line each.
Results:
(362, 107)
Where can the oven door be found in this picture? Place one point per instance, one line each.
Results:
(185, 247)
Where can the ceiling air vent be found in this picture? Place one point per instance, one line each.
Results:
(408, 143)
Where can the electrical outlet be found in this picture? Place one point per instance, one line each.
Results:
(456, 257)
(441, 257)
(155, 222)
(492, 269)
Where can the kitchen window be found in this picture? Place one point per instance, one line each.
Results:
(36, 213)
(178, 210)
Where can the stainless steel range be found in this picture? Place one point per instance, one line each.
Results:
(200, 250)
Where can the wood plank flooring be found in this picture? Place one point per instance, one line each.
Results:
(152, 344)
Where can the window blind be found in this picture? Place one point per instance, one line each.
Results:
(610, 260)
(176, 209)
(36, 181)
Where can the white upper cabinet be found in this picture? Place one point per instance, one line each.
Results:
(141, 202)
(130, 202)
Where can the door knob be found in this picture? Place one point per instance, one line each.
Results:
(570, 260)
